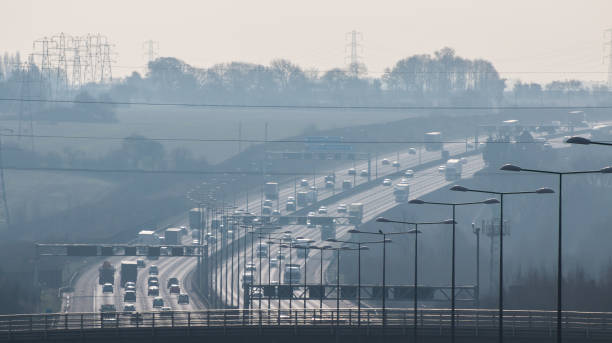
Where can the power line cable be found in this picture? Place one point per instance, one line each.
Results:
(235, 140)
(190, 172)
(306, 107)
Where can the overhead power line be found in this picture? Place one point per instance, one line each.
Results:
(187, 172)
(246, 140)
(306, 107)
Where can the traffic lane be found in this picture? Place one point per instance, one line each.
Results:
(430, 175)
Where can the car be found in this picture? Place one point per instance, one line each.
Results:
(441, 169)
(172, 281)
(141, 263)
(175, 289)
(152, 280)
(158, 302)
(250, 267)
(341, 208)
(352, 171)
(463, 160)
(129, 285)
(153, 291)
(268, 203)
(290, 198)
(412, 151)
(322, 210)
(276, 213)
(395, 164)
(165, 311)
(107, 288)
(346, 185)
(129, 296)
(386, 182)
(304, 183)
(153, 270)
(183, 299)
(183, 229)
(273, 262)
(385, 162)
(409, 173)
(290, 206)
(129, 308)
(130, 288)
(247, 278)
(363, 173)
(329, 184)
(286, 237)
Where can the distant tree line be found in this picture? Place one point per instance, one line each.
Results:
(439, 79)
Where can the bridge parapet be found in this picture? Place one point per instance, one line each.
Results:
(475, 323)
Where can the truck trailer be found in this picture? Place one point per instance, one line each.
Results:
(173, 236)
(129, 272)
(271, 190)
(401, 191)
(355, 211)
(196, 218)
(106, 273)
(453, 169)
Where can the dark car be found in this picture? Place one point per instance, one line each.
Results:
(172, 281)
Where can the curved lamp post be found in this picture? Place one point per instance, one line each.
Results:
(384, 269)
(514, 168)
(501, 243)
(415, 232)
(359, 248)
(454, 205)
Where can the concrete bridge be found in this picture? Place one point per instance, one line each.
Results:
(299, 325)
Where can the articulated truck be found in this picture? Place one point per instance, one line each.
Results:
(401, 191)
(271, 190)
(106, 273)
(453, 169)
(355, 212)
(129, 272)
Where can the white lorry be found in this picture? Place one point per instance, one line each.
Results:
(453, 169)
(401, 191)
(271, 190)
(355, 211)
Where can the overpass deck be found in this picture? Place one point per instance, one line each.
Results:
(472, 325)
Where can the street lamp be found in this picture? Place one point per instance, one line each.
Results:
(454, 222)
(501, 242)
(305, 247)
(514, 168)
(585, 141)
(359, 248)
(384, 269)
(338, 279)
(415, 232)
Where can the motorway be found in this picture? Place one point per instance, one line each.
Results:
(376, 200)
(88, 296)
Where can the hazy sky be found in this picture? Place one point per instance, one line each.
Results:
(557, 37)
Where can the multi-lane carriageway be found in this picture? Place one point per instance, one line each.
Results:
(88, 296)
